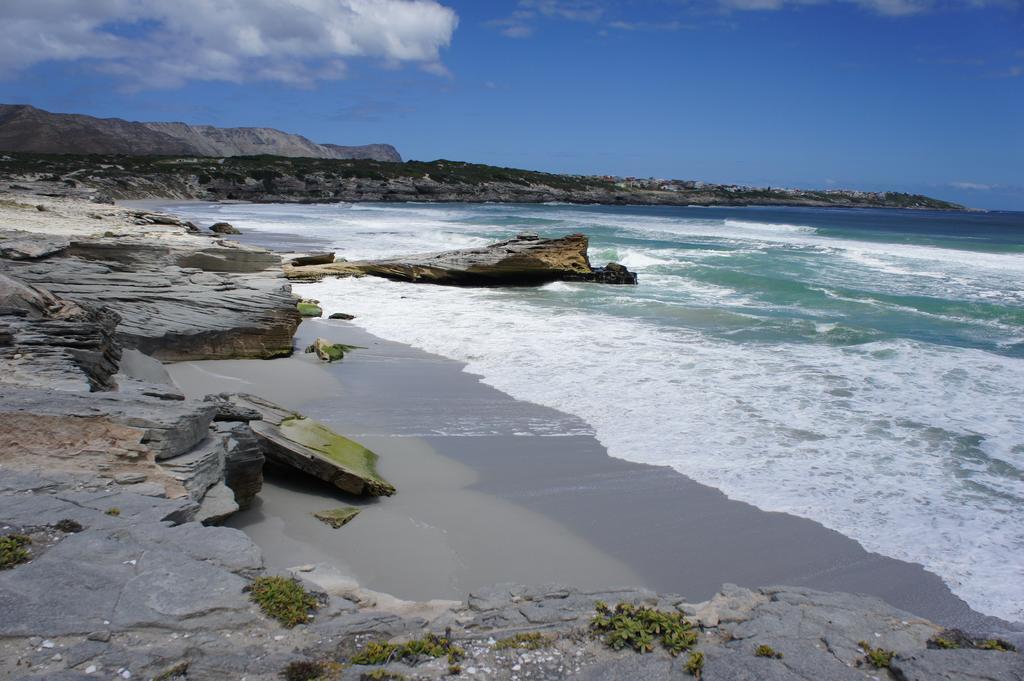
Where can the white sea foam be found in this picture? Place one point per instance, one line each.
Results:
(914, 449)
(903, 446)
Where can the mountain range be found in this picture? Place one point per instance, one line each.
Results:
(25, 128)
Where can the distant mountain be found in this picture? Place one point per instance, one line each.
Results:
(28, 129)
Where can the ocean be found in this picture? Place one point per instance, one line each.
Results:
(861, 368)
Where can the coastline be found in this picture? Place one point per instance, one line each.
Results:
(609, 519)
(114, 488)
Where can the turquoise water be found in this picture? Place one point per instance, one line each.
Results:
(863, 368)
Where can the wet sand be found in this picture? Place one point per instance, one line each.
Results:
(491, 489)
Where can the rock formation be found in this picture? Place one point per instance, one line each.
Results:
(26, 128)
(524, 260)
(291, 440)
(177, 297)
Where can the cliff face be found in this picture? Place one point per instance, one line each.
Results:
(28, 129)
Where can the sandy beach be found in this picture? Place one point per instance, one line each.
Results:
(496, 490)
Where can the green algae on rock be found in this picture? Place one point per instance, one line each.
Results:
(309, 308)
(336, 517)
(331, 352)
(313, 448)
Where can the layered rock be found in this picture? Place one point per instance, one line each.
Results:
(179, 297)
(524, 260)
(49, 340)
(292, 440)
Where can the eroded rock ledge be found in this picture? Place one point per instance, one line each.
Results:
(525, 260)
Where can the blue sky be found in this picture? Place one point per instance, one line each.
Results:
(913, 95)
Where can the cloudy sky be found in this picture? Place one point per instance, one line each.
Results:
(915, 95)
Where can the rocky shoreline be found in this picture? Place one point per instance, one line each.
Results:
(111, 485)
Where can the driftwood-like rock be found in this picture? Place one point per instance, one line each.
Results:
(523, 261)
(313, 259)
(291, 440)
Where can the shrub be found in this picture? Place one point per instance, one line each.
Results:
(13, 551)
(283, 599)
(878, 657)
(695, 664)
(532, 640)
(303, 670)
(68, 525)
(638, 627)
(431, 645)
(767, 651)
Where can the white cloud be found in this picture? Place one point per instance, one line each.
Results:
(164, 43)
(976, 186)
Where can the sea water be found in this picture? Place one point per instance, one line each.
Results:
(862, 368)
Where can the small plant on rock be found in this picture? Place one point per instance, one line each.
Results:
(531, 640)
(944, 643)
(878, 657)
(996, 644)
(175, 673)
(767, 651)
(68, 525)
(303, 670)
(383, 675)
(113, 511)
(283, 599)
(638, 627)
(695, 664)
(431, 645)
(13, 551)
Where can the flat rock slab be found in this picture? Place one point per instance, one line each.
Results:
(526, 259)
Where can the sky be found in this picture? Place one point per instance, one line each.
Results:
(907, 95)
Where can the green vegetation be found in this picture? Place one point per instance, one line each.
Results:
(13, 551)
(383, 675)
(113, 511)
(336, 517)
(767, 651)
(431, 645)
(283, 599)
(346, 453)
(303, 670)
(638, 627)
(320, 179)
(878, 657)
(945, 643)
(996, 644)
(695, 664)
(309, 308)
(68, 525)
(531, 640)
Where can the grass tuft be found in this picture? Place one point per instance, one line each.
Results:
(695, 664)
(767, 651)
(303, 670)
(878, 657)
(431, 645)
(531, 640)
(13, 551)
(283, 599)
(113, 511)
(638, 627)
(68, 525)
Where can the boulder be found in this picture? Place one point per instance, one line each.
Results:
(224, 228)
(289, 439)
(526, 259)
(341, 315)
(309, 308)
(177, 298)
(328, 351)
(313, 259)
